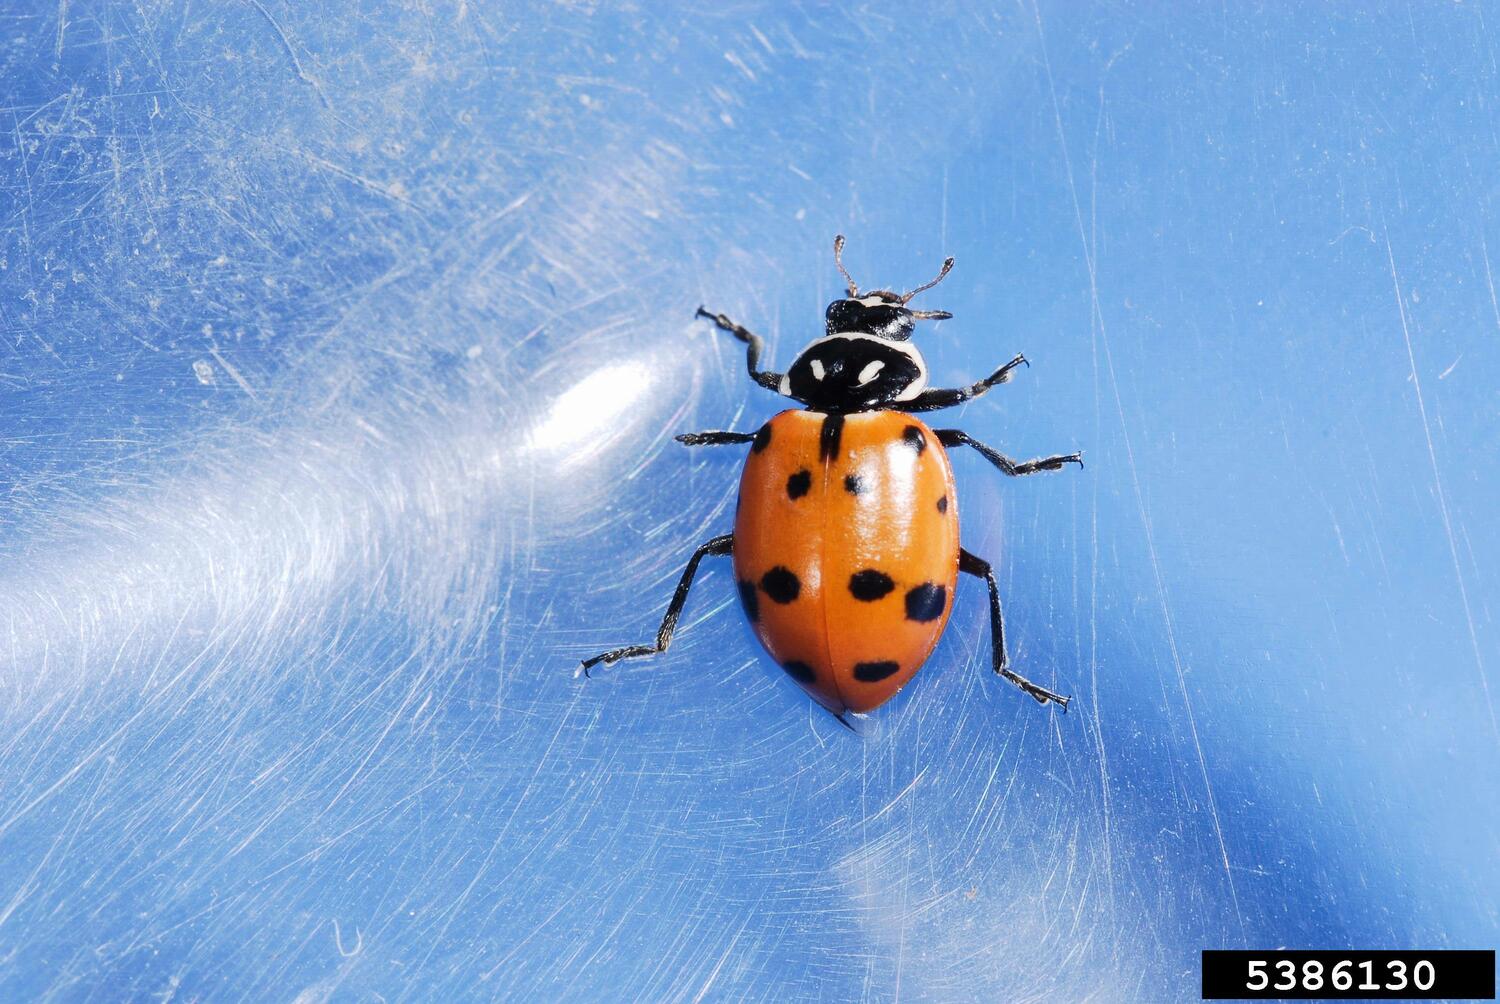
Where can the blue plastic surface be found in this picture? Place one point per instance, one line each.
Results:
(339, 359)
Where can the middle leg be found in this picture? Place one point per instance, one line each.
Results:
(721, 545)
(714, 438)
(1015, 468)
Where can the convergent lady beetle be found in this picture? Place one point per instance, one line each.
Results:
(845, 541)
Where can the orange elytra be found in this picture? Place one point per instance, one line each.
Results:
(845, 544)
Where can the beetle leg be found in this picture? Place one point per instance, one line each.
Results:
(755, 346)
(932, 400)
(716, 546)
(1015, 468)
(714, 438)
(977, 566)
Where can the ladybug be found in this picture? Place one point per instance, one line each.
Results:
(845, 544)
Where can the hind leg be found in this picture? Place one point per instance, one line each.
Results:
(977, 566)
(716, 546)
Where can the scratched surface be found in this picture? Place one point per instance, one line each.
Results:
(339, 357)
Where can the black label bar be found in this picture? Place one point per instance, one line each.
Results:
(1352, 975)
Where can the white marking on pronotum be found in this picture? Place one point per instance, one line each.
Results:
(916, 387)
(871, 371)
(817, 368)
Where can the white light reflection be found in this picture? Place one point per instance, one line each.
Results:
(585, 414)
(267, 534)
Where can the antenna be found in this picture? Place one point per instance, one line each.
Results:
(838, 259)
(947, 265)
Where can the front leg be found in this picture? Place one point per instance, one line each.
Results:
(957, 437)
(932, 400)
(754, 347)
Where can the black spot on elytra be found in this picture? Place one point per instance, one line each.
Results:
(780, 584)
(798, 484)
(762, 438)
(855, 484)
(912, 436)
(799, 671)
(926, 602)
(749, 600)
(943, 504)
(874, 672)
(870, 585)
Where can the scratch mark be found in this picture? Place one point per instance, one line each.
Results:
(233, 373)
(286, 44)
(359, 179)
(522, 943)
(728, 950)
(763, 40)
(124, 728)
(1100, 747)
(1140, 498)
(338, 941)
(1437, 483)
(902, 794)
(1489, 278)
(739, 64)
(62, 25)
(1370, 234)
(380, 739)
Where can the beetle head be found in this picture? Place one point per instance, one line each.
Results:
(865, 359)
(878, 312)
